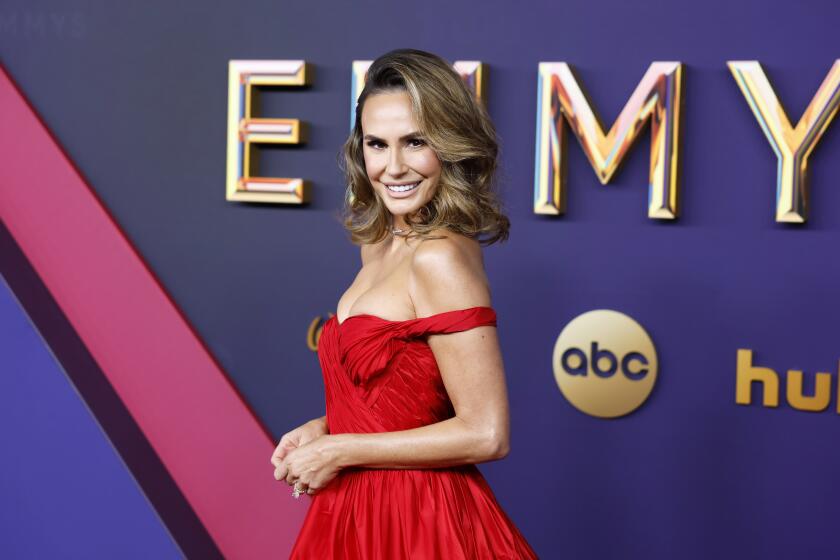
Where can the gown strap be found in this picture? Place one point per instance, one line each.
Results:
(452, 321)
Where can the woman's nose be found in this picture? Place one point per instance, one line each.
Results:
(396, 166)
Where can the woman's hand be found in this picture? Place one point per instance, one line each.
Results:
(301, 435)
(312, 465)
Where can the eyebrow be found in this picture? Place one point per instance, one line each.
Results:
(405, 137)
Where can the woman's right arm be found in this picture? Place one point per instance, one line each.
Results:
(301, 435)
(323, 421)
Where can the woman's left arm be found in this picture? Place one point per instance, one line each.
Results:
(470, 364)
(443, 278)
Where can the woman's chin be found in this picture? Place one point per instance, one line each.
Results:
(402, 209)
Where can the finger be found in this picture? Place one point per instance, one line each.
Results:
(300, 488)
(279, 456)
(281, 451)
(280, 472)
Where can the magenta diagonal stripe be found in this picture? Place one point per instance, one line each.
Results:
(210, 441)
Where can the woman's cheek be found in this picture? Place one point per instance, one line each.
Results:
(428, 163)
(374, 165)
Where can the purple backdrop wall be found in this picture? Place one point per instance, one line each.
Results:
(137, 95)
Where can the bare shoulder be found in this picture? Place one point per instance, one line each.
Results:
(447, 274)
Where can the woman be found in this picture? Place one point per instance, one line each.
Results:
(415, 386)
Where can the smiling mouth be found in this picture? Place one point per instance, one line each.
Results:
(403, 188)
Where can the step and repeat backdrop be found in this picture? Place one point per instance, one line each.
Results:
(669, 298)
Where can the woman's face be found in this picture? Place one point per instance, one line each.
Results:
(402, 168)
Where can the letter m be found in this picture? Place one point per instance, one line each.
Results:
(561, 99)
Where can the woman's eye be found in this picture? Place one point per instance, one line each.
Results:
(413, 142)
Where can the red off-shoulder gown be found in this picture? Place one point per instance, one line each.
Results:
(381, 376)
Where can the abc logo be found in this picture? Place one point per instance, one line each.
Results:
(605, 363)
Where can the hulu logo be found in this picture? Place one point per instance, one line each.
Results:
(747, 374)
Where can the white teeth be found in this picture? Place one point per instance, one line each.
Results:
(402, 188)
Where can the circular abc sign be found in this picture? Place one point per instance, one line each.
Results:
(605, 363)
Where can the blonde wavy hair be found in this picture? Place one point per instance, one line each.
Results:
(457, 127)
